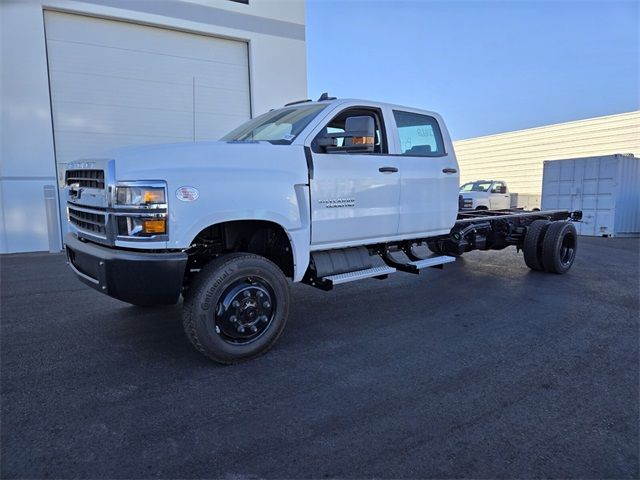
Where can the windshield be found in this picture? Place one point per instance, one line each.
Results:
(279, 127)
(476, 187)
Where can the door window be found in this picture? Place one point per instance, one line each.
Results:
(337, 123)
(497, 187)
(420, 135)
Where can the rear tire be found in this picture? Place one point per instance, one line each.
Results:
(559, 247)
(532, 247)
(236, 308)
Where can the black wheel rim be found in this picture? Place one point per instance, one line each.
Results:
(568, 249)
(245, 310)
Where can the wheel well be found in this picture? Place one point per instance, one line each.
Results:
(267, 239)
(482, 207)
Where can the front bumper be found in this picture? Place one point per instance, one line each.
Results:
(134, 277)
(465, 203)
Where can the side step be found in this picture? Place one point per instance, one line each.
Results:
(359, 275)
(433, 262)
(415, 266)
(328, 282)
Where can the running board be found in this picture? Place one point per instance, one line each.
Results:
(433, 262)
(327, 283)
(417, 265)
(359, 275)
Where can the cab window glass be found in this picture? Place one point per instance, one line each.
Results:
(497, 187)
(420, 135)
(337, 124)
(475, 187)
(337, 130)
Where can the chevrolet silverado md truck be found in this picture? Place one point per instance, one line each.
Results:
(323, 193)
(485, 195)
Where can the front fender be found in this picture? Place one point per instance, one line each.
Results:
(290, 211)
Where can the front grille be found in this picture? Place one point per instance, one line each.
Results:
(85, 178)
(93, 222)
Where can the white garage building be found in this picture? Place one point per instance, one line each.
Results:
(79, 78)
(518, 157)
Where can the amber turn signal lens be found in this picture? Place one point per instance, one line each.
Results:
(153, 196)
(154, 226)
(362, 141)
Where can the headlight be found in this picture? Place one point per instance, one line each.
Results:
(141, 210)
(141, 227)
(140, 196)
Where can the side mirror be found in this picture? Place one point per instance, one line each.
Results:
(502, 189)
(359, 134)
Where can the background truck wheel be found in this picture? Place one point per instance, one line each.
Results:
(559, 247)
(236, 308)
(532, 247)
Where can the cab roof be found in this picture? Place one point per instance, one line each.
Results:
(371, 103)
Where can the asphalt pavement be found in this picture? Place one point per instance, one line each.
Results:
(484, 370)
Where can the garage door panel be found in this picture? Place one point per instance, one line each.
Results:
(107, 119)
(74, 145)
(133, 93)
(234, 102)
(226, 77)
(115, 82)
(109, 62)
(131, 36)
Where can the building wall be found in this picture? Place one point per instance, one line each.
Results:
(275, 34)
(517, 157)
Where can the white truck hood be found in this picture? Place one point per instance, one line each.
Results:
(194, 159)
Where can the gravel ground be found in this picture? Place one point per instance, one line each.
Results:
(482, 370)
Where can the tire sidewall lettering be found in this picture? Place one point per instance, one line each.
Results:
(212, 292)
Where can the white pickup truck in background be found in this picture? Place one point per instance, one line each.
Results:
(321, 193)
(495, 195)
(485, 195)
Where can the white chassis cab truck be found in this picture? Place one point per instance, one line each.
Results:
(485, 195)
(323, 193)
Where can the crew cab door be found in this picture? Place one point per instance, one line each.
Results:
(428, 174)
(499, 198)
(354, 196)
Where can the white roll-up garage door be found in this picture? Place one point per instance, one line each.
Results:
(117, 84)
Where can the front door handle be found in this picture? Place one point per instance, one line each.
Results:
(388, 169)
(449, 170)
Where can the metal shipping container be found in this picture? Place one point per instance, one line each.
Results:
(606, 189)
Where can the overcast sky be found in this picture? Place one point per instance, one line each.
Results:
(487, 66)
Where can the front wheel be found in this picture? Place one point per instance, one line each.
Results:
(237, 308)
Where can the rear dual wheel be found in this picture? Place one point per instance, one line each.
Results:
(559, 247)
(550, 246)
(532, 248)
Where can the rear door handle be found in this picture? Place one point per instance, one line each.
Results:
(449, 170)
(388, 169)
